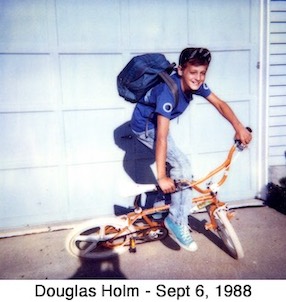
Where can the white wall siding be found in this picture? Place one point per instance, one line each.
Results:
(277, 84)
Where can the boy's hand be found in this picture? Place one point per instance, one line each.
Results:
(243, 135)
(166, 184)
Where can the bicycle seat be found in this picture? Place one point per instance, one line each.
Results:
(133, 189)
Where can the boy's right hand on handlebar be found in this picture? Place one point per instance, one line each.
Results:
(166, 184)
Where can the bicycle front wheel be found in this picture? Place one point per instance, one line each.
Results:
(227, 234)
(99, 238)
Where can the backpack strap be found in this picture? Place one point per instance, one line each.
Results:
(171, 84)
(174, 89)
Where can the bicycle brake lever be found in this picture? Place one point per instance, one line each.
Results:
(239, 145)
(181, 185)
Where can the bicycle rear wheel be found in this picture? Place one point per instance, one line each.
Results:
(99, 238)
(227, 234)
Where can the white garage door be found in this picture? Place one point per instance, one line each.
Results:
(61, 118)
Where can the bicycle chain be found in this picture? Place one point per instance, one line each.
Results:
(150, 234)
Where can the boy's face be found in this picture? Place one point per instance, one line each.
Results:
(192, 76)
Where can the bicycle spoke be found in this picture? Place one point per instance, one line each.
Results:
(99, 238)
(90, 248)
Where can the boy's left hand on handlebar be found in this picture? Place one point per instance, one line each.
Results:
(244, 136)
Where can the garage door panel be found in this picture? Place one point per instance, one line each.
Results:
(229, 73)
(29, 139)
(95, 188)
(212, 133)
(154, 24)
(38, 197)
(90, 79)
(89, 135)
(86, 24)
(210, 24)
(25, 79)
(23, 24)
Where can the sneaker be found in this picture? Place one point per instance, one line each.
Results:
(181, 234)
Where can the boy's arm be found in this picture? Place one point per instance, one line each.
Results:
(166, 184)
(241, 133)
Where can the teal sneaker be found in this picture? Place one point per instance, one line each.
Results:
(181, 234)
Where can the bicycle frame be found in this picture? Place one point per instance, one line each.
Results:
(208, 199)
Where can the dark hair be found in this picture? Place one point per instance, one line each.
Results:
(195, 56)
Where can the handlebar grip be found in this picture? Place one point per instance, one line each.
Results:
(249, 129)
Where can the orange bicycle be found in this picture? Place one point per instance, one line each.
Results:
(105, 236)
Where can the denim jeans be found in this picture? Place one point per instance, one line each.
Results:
(181, 169)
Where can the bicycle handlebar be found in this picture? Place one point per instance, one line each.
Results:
(185, 183)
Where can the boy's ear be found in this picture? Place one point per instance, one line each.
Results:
(180, 70)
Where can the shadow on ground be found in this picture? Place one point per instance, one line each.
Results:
(99, 269)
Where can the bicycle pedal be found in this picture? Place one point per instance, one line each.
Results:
(132, 250)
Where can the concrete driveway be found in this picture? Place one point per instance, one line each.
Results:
(260, 229)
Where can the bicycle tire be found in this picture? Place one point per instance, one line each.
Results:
(96, 238)
(227, 234)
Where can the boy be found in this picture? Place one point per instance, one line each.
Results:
(151, 127)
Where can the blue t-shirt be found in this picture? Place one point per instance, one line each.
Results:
(160, 100)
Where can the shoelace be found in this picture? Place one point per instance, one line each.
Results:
(185, 233)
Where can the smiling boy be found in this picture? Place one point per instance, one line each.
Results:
(151, 126)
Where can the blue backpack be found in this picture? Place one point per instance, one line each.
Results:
(142, 73)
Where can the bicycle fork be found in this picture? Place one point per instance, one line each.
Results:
(212, 210)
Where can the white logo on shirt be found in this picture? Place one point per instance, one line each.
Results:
(206, 86)
(168, 107)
